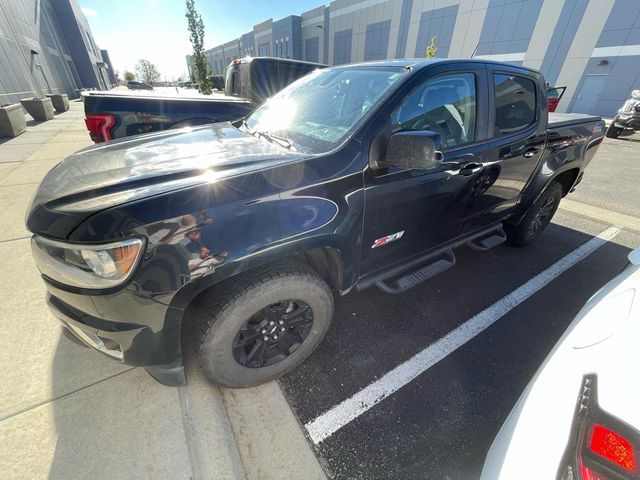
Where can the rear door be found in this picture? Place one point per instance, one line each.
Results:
(517, 136)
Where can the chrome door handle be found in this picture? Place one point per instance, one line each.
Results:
(470, 168)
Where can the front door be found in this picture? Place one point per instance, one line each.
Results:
(409, 212)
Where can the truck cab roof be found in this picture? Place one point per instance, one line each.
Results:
(420, 63)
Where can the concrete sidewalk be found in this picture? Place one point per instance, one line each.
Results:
(67, 412)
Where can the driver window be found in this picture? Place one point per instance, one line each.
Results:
(445, 105)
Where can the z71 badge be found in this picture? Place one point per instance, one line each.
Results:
(389, 238)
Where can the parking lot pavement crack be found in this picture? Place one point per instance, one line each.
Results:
(14, 239)
(60, 397)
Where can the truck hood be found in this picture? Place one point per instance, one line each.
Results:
(106, 175)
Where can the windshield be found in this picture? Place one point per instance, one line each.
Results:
(316, 113)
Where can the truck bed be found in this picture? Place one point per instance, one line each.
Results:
(558, 120)
(135, 112)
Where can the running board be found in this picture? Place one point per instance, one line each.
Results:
(427, 265)
(419, 276)
(483, 244)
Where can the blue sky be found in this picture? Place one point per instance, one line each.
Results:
(157, 29)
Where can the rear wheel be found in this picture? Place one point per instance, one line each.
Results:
(262, 325)
(613, 131)
(537, 218)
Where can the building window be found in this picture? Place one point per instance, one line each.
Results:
(376, 41)
(342, 46)
(437, 23)
(263, 50)
(312, 49)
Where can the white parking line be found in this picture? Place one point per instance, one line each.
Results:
(340, 415)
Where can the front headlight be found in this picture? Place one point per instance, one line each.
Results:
(87, 266)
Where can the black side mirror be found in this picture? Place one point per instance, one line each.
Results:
(420, 150)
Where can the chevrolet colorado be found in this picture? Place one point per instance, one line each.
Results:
(354, 176)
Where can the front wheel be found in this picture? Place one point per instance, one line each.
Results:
(537, 218)
(613, 131)
(262, 325)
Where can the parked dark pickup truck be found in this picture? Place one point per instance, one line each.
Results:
(356, 176)
(111, 115)
(250, 81)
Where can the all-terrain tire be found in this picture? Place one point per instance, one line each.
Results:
(537, 218)
(613, 131)
(221, 314)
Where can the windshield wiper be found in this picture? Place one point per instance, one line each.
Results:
(282, 141)
(243, 123)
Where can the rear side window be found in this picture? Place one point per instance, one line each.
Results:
(515, 103)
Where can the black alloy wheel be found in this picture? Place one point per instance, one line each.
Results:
(543, 216)
(537, 217)
(261, 324)
(272, 334)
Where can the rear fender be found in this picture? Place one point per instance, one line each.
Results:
(568, 152)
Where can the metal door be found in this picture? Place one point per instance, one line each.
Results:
(589, 94)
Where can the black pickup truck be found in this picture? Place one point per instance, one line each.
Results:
(250, 81)
(111, 115)
(355, 176)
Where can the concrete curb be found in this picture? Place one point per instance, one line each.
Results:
(243, 434)
(271, 443)
(213, 452)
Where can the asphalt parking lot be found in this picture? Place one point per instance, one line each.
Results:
(410, 386)
(417, 385)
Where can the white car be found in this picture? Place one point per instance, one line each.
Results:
(579, 417)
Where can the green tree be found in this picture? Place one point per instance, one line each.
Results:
(432, 48)
(201, 72)
(129, 76)
(147, 71)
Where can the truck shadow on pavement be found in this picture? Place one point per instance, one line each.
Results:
(112, 421)
(120, 423)
(441, 424)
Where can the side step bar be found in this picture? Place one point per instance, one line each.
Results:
(483, 244)
(396, 279)
(422, 275)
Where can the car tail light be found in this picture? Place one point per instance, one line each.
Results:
(612, 446)
(553, 104)
(601, 447)
(100, 126)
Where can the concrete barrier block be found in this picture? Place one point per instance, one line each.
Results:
(41, 109)
(60, 101)
(12, 121)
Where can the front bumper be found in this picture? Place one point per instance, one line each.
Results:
(127, 328)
